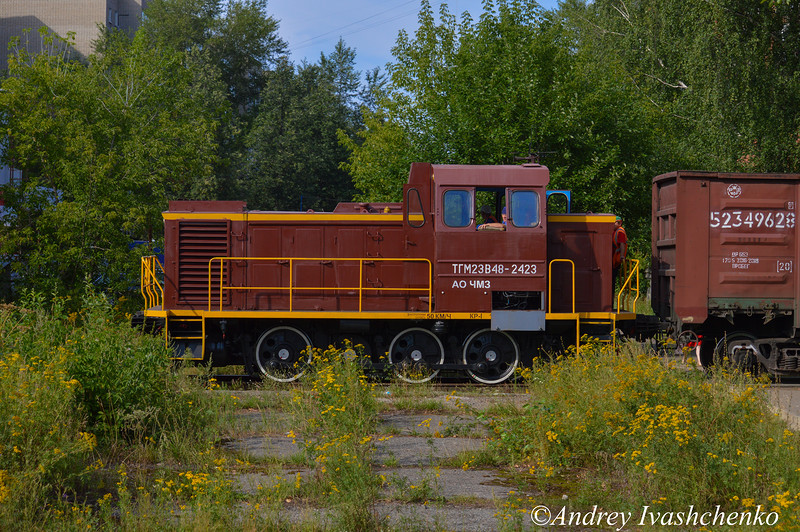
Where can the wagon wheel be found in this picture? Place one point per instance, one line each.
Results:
(737, 350)
(282, 353)
(492, 355)
(687, 343)
(413, 352)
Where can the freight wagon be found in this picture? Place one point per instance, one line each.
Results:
(725, 255)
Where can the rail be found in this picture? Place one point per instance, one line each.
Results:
(151, 288)
(628, 293)
(292, 289)
(550, 283)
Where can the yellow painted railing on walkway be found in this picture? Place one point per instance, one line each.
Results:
(152, 291)
(628, 293)
(216, 270)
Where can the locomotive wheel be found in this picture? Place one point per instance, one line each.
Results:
(494, 355)
(738, 349)
(412, 352)
(282, 353)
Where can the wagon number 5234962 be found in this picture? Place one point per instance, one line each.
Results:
(750, 219)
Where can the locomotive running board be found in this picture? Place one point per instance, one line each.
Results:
(319, 314)
(387, 315)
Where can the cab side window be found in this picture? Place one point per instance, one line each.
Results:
(414, 213)
(457, 208)
(525, 208)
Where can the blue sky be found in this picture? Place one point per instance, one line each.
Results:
(370, 26)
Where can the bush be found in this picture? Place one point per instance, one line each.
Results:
(648, 433)
(75, 385)
(125, 384)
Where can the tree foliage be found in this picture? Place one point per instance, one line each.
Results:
(722, 74)
(236, 36)
(514, 81)
(103, 145)
(292, 152)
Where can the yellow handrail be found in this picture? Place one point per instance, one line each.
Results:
(360, 289)
(630, 272)
(152, 291)
(550, 284)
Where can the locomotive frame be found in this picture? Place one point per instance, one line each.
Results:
(414, 281)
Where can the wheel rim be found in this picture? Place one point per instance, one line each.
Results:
(282, 353)
(413, 352)
(495, 353)
(738, 348)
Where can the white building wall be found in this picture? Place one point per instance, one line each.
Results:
(62, 17)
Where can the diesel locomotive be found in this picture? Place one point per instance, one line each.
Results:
(473, 271)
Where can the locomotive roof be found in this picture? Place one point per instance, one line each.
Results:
(529, 174)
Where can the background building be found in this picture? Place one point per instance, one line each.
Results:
(84, 17)
(62, 17)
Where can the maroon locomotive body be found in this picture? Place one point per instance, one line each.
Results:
(725, 250)
(425, 281)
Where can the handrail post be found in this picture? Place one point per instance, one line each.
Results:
(291, 284)
(210, 266)
(430, 285)
(221, 273)
(360, 282)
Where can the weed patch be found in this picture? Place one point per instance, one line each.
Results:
(337, 416)
(80, 390)
(665, 437)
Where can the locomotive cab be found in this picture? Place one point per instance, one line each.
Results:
(491, 243)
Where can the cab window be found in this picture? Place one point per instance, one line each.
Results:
(524, 208)
(457, 208)
(414, 213)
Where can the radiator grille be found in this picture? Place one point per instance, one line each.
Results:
(198, 243)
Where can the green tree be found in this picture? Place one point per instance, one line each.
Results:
(103, 145)
(237, 36)
(293, 155)
(722, 75)
(234, 43)
(518, 79)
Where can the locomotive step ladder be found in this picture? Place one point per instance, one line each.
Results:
(189, 330)
(602, 328)
(600, 325)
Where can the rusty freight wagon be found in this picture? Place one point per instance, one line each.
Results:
(435, 282)
(725, 255)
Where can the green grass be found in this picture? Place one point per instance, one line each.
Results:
(337, 414)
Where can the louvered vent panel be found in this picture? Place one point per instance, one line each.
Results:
(200, 242)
